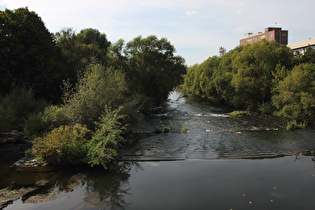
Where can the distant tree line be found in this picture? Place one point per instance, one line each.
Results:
(264, 76)
(76, 92)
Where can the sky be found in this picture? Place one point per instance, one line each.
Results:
(196, 28)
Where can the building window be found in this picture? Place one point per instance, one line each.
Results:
(271, 35)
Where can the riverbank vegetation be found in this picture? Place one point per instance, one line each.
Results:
(76, 93)
(263, 76)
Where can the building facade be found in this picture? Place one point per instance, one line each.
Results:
(300, 47)
(271, 33)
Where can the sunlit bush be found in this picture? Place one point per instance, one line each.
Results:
(63, 145)
(102, 148)
(295, 95)
(98, 88)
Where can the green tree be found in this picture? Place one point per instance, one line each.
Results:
(209, 70)
(28, 55)
(92, 36)
(295, 95)
(224, 76)
(150, 65)
(255, 66)
(80, 49)
(192, 80)
(309, 56)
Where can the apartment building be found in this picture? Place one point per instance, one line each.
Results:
(271, 33)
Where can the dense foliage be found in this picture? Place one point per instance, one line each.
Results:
(94, 88)
(264, 75)
(29, 56)
(150, 65)
(80, 49)
(295, 95)
(79, 145)
(87, 127)
(16, 106)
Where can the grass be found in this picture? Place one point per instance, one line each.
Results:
(185, 129)
(293, 124)
(240, 113)
(166, 129)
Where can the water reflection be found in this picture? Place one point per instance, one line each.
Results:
(78, 187)
(281, 183)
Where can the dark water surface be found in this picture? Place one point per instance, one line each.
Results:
(222, 162)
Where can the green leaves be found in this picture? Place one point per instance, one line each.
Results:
(295, 95)
(150, 66)
(242, 77)
(28, 55)
(62, 146)
(106, 139)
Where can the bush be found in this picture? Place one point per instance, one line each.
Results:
(292, 124)
(266, 107)
(78, 145)
(98, 88)
(157, 130)
(240, 113)
(52, 117)
(166, 129)
(107, 138)
(16, 106)
(295, 95)
(63, 145)
(185, 129)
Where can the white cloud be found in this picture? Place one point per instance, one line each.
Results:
(193, 12)
(215, 23)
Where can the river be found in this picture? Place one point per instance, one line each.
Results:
(221, 162)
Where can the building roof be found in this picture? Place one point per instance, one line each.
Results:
(302, 44)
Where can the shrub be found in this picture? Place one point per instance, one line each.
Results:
(166, 129)
(292, 124)
(266, 107)
(16, 106)
(62, 146)
(157, 130)
(185, 129)
(52, 117)
(107, 138)
(98, 88)
(240, 113)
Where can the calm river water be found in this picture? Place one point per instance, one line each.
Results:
(222, 162)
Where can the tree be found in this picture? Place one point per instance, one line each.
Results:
(309, 56)
(28, 55)
(295, 95)
(153, 69)
(80, 49)
(91, 36)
